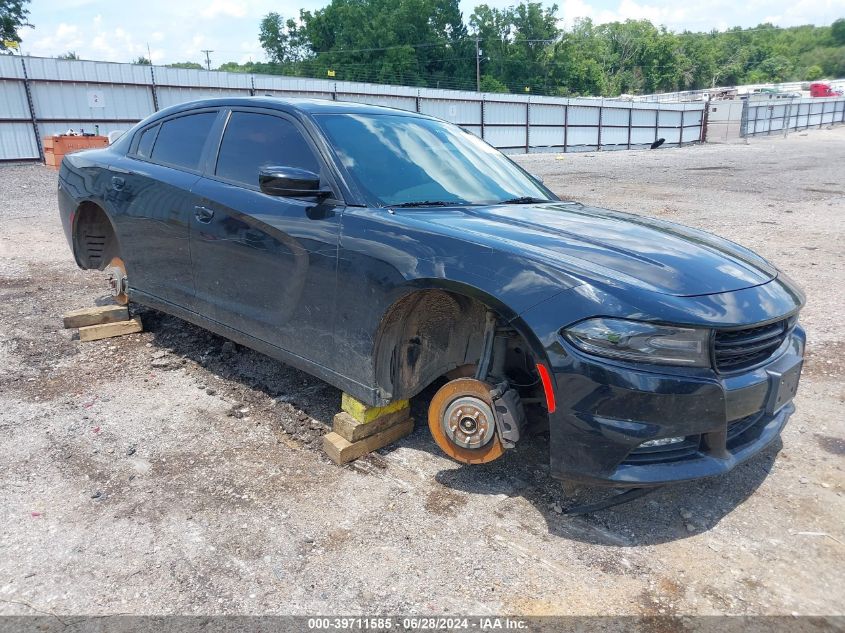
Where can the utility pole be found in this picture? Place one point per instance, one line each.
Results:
(207, 58)
(477, 67)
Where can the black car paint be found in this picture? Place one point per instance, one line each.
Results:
(309, 284)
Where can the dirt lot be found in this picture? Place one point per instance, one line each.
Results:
(170, 472)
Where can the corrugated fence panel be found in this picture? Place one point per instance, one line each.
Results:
(10, 67)
(460, 112)
(189, 77)
(509, 137)
(13, 103)
(82, 71)
(782, 116)
(91, 102)
(17, 141)
(546, 138)
(498, 113)
(546, 114)
(264, 83)
(168, 96)
(581, 115)
(583, 138)
(390, 101)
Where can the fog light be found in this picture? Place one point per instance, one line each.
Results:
(662, 442)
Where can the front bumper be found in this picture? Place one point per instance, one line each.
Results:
(606, 410)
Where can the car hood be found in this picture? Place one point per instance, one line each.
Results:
(611, 246)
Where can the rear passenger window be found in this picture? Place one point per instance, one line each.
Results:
(145, 144)
(253, 141)
(180, 141)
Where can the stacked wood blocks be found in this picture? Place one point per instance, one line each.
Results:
(102, 322)
(359, 429)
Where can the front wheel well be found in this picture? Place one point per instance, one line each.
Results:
(432, 333)
(94, 238)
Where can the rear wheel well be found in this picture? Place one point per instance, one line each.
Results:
(94, 238)
(429, 334)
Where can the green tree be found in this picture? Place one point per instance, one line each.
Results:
(189, 65)
(69, 55)
(13, 15)
(428, 43)
(491, 84)
(837, 32)
(284, 41)
(813, 72)
(142, 61)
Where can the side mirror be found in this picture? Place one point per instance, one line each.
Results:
(290, 182)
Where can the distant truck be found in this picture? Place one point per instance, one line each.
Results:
(822, 89)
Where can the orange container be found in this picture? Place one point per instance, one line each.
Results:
(55, 147)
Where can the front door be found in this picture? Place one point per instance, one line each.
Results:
(265, 265)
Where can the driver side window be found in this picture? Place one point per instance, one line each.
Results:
(252, 141)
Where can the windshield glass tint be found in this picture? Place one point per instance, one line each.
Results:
(401, 159)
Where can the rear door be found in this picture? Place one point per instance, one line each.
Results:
(266, 265)
(154, 206)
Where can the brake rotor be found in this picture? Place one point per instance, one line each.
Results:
(116, 277)
(462, 423)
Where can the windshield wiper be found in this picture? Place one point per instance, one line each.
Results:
(524, 200)
(428, 203)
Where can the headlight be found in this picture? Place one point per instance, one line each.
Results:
(643, 342)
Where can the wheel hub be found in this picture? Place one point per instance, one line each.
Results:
(116, 279)
(468, 422)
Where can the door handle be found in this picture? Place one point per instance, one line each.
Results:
(203, 214)
(117, 183)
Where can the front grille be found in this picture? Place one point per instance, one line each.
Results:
(738, 349)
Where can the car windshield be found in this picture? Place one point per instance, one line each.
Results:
(404, 160)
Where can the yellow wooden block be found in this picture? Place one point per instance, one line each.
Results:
(341, 451)
(108, 330)
(363, 413)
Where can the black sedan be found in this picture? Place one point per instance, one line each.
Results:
(385, 251)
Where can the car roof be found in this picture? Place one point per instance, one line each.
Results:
(291, 104)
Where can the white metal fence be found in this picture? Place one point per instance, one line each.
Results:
(783, 115)
(44, 96)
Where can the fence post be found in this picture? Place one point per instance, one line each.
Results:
(153, 87)
(705, 118)
(657, 121)
(630, 121)
(32, 116)
(527, 124)
(601, 117)
(252, 85)
(481, 104)
(565, 126)
(681, 137)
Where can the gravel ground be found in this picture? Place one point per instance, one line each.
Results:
(173, 472)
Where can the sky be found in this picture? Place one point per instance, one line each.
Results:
(179, 30)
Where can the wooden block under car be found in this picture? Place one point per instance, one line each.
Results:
(96, 316)
(342, 451)
(108, 330)
(352, 430)
(364, 413)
